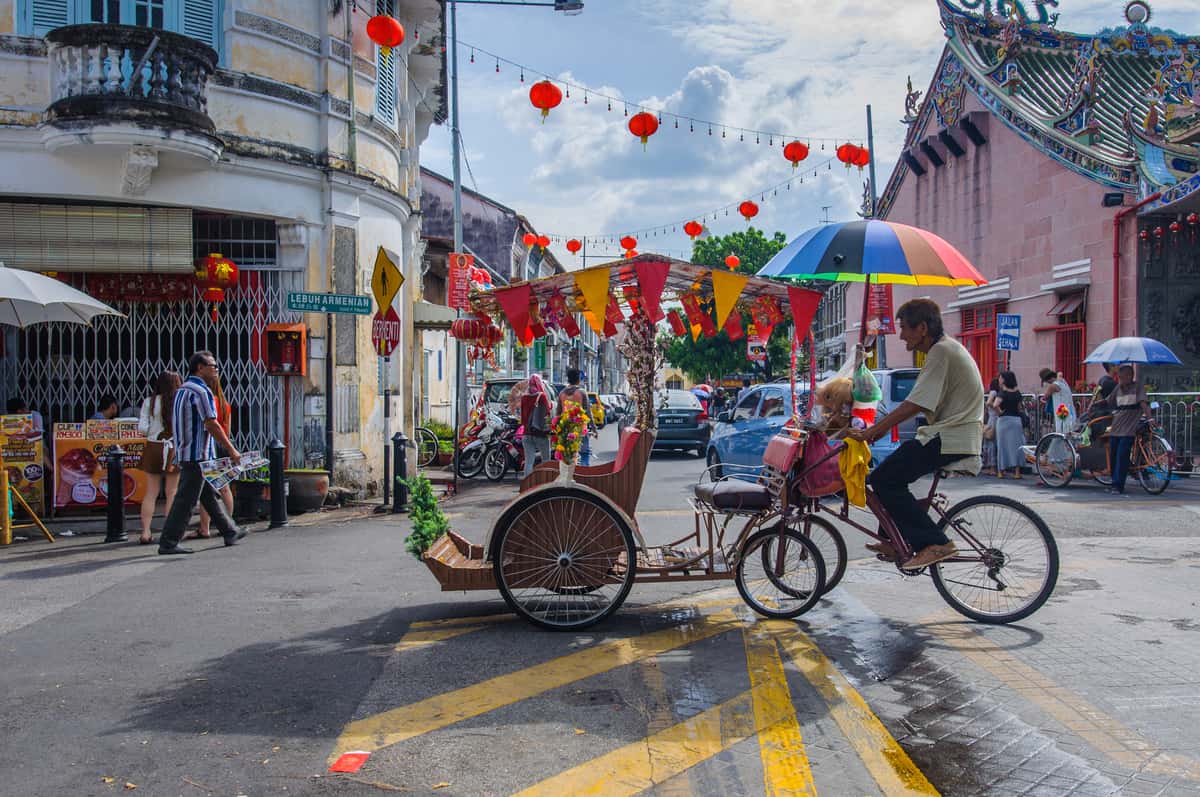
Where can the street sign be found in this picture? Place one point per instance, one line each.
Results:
(386, 279)
(1008, 332)
(756, 350)
(329, 303)
(385, 332)
(458, 285)
(539, 355)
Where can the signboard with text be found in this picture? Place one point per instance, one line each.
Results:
(385, 332)
(880, 316)
(458, 285)
(1008, 331)
(329, 303)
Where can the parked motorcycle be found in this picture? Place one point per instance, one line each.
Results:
(506, 453)
(480, 438)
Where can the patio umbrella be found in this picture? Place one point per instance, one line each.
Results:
(27, 297)
(707, 388)
(1133, 350)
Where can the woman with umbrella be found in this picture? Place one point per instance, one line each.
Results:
(703, 392)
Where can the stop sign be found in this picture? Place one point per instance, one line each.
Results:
(385, 332)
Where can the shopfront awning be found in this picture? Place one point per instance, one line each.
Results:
(427, 315)
(1067, 304)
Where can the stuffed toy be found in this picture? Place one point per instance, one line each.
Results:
(836, 398)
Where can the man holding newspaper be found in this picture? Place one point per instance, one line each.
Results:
(195, 425)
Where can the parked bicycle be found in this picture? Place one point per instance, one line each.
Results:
(428, 447)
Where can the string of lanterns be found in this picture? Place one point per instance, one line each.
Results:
(545, 95)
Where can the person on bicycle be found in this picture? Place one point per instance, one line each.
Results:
(1129, 404)
(949, 391)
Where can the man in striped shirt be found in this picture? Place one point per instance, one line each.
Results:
(194, 424)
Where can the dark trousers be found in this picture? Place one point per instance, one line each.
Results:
(890, 482)
(192, 488)
(1119, 449)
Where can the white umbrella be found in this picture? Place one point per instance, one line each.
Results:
(27, 297)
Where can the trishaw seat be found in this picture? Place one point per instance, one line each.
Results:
(734, 494)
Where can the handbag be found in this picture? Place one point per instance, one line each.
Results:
(820, 474)
(989, 432)
(158, 457)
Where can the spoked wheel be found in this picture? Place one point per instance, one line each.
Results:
(829, 542)
(1152, 458)
(1010, 560)
(470, 463)
(427, 447)
(1054, 460)
(563, 558)
(495, 463)
(783, 581)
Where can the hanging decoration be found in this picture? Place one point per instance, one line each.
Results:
(556, 314)
(385, 31)
(481, 335)
(1193, 220)
(803, 303)
(862, 157)
(544, 95)
(543, 241)
(766, 314)
(629, 242)
(795, 152)
(727, 287)
(612, 317)
(529, 239)
(698, 318)
(574, 245)
(514, 303)
(693, 229)
(733, 261)
(733, 326)
(677, 325)
(652, 278)
(643, 125)
(846, 153)
(644, 358)
(214, 274)
(1159, 232)
(748, 209)
(1175, 228)
(593, 287)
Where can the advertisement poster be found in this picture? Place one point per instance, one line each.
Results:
(880, 315)
(80, 475)
(458, 285)
(21, 449)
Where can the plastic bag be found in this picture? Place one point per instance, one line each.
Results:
(866, 388)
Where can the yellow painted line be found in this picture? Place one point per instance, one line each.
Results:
(482, 619)
(635, 767)
(659, 717)
(883, 757)
(786, 771)
(398, 724)
(1123, 745)
(421, 639)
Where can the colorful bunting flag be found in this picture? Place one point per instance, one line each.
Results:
(514, 302)
(652, 277)
(677, 325)
(733, 326)
(691, 306)
(727, 287)
(803, 303)
(593, 285)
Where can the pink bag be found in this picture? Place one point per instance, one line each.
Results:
(824, 478)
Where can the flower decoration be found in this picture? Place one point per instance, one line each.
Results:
(1062, 412)
(568, 432)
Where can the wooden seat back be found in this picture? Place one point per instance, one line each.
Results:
(622, 486)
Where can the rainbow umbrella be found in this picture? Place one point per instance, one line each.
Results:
(872, 251)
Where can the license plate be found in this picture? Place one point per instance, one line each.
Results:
(670, 421)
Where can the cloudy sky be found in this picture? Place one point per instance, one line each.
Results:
(807, 68)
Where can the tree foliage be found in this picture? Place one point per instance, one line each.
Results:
(712, 358)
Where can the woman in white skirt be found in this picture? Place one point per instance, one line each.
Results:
(1010, 434)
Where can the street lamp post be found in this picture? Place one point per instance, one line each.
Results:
(569, 7)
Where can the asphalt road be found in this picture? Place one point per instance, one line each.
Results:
(249, 670)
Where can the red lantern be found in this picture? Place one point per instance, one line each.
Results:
(733, 261)
(748, 209)
(1175, 227)
(215, 273)
(467, 328)
(845, 153)
(631, 253)
(628, 242)
(1193, 219)
(545, 95)
(385, 31)
(543, 241)
(529, 239)
(1159, 232)
(795, 152)
(573, 246)
(862, 156)
(693, 229)
(1144, 235)
(643, 125)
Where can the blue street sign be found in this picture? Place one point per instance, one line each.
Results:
(1008, 331)
(329, 303)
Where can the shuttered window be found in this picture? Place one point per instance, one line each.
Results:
(45, 237)
(385, 67)
(199, 19)
(39, 17)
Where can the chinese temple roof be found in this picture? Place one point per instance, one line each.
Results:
(1121, 106)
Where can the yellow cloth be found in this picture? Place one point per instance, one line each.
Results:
(854, 462)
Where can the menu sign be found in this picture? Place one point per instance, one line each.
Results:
(21, 450)
(80, 464)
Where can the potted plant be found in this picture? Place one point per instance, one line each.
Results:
(445, 435)
(252, 494)
(307, 488)
(428, 522)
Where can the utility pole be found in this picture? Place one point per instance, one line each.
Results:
(880, 340)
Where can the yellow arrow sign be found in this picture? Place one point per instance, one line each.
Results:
(386, 279)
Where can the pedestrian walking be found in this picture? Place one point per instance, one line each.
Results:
(990, 414)
(225, 419)
(1010, 433)
(158, 457)
(535, 417)
(1129, 407)
(195, 427)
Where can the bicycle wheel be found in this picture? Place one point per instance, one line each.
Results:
(1054, 460)
(562, 558)
(828, 540)
(1152, 461)
(790, 584)
(470, 463)
(427, 447)
(495, 463)
(1008, 560)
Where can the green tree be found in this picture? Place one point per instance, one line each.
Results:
(712, 358)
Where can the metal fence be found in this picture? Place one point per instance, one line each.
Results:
(1176, 414)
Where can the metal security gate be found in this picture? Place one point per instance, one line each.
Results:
(62, 370)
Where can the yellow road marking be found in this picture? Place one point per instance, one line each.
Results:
(659, 717)
(635, 767)
(482, 619)
(883, 757)
(1123, 745)
(786, 770)
(396, 725)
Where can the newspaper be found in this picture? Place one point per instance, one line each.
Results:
(220, 472)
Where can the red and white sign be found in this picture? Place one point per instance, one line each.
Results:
(385, 332)
(458, 285)
(880, 317)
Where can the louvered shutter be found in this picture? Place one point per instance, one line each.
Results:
(385, 68)
(46, 15)
(201, 20)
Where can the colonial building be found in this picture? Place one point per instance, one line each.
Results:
(140, 135)
(1066, 167)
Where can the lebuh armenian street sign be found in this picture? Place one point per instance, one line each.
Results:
(329, 303)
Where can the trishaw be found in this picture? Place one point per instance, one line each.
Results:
(1059, 457)
(565, 553)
